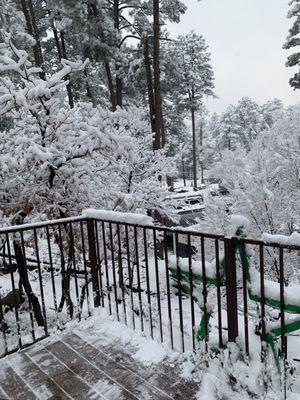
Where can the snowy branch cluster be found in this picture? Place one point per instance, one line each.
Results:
(60, 160)
(264, 182)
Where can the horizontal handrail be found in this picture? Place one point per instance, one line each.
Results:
(156, 227)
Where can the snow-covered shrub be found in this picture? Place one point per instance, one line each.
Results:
(56, 160)
(264, 184)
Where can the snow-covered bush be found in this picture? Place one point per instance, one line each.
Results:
(56, 160)
(264, 183)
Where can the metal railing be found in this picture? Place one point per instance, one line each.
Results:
(190, 289)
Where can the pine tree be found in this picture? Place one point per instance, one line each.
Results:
(189, 73)
(293, 42)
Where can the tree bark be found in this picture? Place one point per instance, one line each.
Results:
(89, 93)
(64, 55)
(112, 94)
(119, 99)
(29, 15)
(149, 82)
(201, 149)
(194, 148)
(61, 51)
(156, 66)
(183, 173)
(33, 300)
(56, 38)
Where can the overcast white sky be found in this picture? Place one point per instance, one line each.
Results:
(245, 39)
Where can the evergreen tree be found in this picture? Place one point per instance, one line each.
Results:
(189, 76)
(293, 42)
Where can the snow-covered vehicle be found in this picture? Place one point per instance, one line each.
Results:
(189, 210)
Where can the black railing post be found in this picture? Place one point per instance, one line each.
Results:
(93, 261)
(231, 289)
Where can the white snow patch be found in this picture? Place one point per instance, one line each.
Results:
(111, 391)
(151, 353)
(239, 220)
(115, 216)
(293, 240)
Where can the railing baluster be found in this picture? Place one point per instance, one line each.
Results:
(179, 292)
(148, 281)
(86, 275)
(63, 274)
(99, 265)
(130, 274)
(245, 308)
(219, 302)
(93, 262)
(231, 290)
(120, 270)
(262, 301)
(138, 277)
(106, 266)
(114, 269)
(72, 249)
(3, 326)
(31, 314)
(15, 296)
(40, 279)
(157, 285)
(51, 271)
(168, 291)
(282, 318)
(191, 281)
(204, 290)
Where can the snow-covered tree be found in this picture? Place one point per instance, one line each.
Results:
(240, 124)
(293, 42)
(264, 183)
(59, 160)
(189, 77)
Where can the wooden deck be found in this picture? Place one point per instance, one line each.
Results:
(72, 368)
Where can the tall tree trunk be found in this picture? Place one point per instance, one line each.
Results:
(64, 54)
(194, 149)
(183, 172)
(201, 149)
(156, 67)
(112, 94)
(56, 39)
(119, 99)
(162, 125)
(61, 51)
(24, 280)
(149, 82)
(31, 25)
(89, 93)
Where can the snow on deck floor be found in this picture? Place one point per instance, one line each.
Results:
(100, 358)
(94, 360)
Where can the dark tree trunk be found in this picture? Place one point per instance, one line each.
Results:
(112, 94)
(56, 38)
(194, 148)
(64, 55)
(183, 172)
(201, 150)
(170, 183)
(33, 300)
(157, 95)
(61, 51)
(149, 82)
(31, 25)
(89, 92)
(119, 99)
